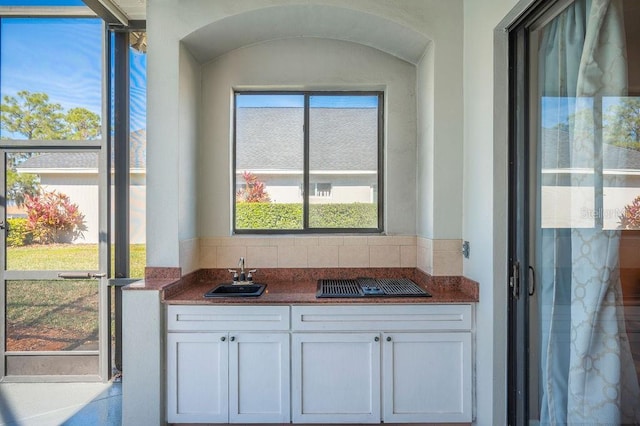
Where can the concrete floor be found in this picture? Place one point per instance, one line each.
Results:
(70, 404)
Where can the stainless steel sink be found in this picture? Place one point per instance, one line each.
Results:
(236, 290)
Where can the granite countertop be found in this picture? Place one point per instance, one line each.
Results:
(298, 286)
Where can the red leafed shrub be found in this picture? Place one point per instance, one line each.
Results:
(630, 218)
(53, 218)
(253, 191)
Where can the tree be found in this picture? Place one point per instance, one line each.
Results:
(82, 124)
(580, 123)
(623, 124)
(32, 116)
(253, 191)
(21, 185)
(35, 117)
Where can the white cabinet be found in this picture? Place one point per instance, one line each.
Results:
(197, 377)
(416, 359)
(426, 377)
(233, 375)
(336, 378)
(392, 363)
(259, 378)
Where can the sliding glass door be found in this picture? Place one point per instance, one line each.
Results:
(575, 222)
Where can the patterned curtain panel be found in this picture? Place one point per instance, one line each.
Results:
(587, 373)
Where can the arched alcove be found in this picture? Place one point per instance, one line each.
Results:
(306, 20)
(206, 50)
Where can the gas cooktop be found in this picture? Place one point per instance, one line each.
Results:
(369, 287)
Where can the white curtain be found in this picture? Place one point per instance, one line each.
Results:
(587, 372)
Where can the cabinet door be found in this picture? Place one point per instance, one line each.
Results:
(259, 384)
(427, 377)
(197, 377)
(336, 378)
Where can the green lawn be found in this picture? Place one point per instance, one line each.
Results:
(65, 257)
(52, 315)
(61, 314)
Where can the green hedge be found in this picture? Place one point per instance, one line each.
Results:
(289, 216)
(19, 233)
(268, 216)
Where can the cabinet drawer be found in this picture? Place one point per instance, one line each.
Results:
(381, 318)
(227, 318)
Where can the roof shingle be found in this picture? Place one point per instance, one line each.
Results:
(340, 139)
(88, 160)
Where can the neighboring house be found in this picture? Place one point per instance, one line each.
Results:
(561, 194)
(343, 153)
(76, 175)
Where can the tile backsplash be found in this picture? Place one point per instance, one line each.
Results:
(435, 257)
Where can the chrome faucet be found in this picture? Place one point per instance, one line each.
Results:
(242, 277)
(241, 265)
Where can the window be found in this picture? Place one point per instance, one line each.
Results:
(317, 190)
(307, 162)
(321, 190)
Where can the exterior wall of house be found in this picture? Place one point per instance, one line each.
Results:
(82, 190)
(85, 195)
(572, 207)
(286, 188)
(337, 194)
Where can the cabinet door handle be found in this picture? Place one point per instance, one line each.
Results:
(377, 339)
(232, 338)
(388, 338)
(222, 339)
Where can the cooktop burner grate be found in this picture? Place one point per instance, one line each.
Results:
(369, 287)
(400, 287)
(339, 288)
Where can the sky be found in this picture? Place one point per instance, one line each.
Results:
(41, 3)
(62, 58)
(297, 101)
(556, 110)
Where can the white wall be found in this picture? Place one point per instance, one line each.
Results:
(142, 357)
(163, 138)
(484, 218)
(189, 187)
(440, 128)
(190, 110)
(307, 63)
(403, 28)
(426, 144)
(173, 83)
